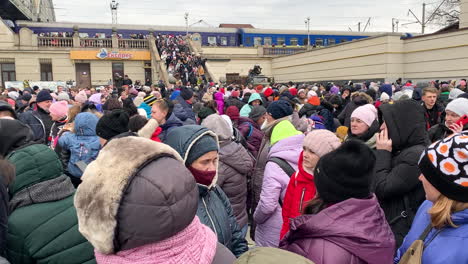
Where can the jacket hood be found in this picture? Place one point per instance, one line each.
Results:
(139, 204)
(183, 138)
(255, 96)
(10, 141)
(303, 175)
(219, 126)
(406, 124)
(359, 226)
(85, 124)
(267, 255)
(34, 164)
(172, 121)
(236, 156)
(288, 149)
(283, 130)
(219, 96)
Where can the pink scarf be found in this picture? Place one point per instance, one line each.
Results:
(196, 244)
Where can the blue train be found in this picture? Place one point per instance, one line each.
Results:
(248, 37)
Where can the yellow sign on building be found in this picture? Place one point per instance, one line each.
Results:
(104, 54)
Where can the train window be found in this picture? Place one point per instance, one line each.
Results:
(293, 41)
(343, 40)
(223, 41)
(305, 42)
(248, 41)
(257, 41)
(232, 41)
(319, 42)
(331, 41)
(267, 41)
(212, 41)
(280, 41)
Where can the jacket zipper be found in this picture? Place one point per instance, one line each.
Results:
(302, 199)
(209, 216)
(43, 127)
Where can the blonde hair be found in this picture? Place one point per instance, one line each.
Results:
(442, 210)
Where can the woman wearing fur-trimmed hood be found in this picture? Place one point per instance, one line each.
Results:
(199, 148)
(139, 215)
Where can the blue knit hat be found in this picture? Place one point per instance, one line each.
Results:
(280, 109)
(43, 95)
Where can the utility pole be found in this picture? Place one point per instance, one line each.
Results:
(367, 24)
(359, 27)
(114, 6)
(423, 22)
(307, 22)
(395, 25)
(186, 23)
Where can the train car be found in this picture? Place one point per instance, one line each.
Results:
(259, 37)
(210, 36)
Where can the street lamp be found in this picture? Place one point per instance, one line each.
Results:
(307, 22)
(186, 23)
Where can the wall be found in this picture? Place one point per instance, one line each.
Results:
(7, 37)
(436, 56)
(464, 14)
(208, 51)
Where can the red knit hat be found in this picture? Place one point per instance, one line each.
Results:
(293, 91)
(314, 100)
(233, 112)
(259, 88)
(268, 92)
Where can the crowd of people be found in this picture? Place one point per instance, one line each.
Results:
(181, 63)
(312, 173)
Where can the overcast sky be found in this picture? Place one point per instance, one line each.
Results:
(271, 14)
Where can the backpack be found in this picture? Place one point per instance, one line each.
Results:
(413, 254)
(284, 165)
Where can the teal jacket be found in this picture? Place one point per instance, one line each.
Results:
(43, 226)
(246, 109)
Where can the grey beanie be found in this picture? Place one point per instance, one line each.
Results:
(202, 146)
(257, 112)
(459, 106)
(455, 93)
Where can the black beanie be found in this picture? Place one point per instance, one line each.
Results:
(112, 124)
(345, 173)
(202, 146)
(186, 93)
(279, 109)
(43, 95)
(4, 106)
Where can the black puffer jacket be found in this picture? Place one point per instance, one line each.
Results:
(440, 131)
(396, 181)
(214, 208)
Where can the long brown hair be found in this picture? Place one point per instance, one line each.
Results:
(442, 210)
(314, 206)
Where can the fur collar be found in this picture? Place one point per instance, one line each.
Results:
(97, 199)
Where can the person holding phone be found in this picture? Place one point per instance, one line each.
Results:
(456, 120)
(399, 145)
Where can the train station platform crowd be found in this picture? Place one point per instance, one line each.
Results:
(369, 172)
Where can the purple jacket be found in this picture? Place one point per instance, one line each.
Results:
(354, 231)
(252, 134)
(219, 98)
(268, 214)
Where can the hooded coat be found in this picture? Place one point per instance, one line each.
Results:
(235, 163)
(246, 109)
(252, 134)
(148, 218)
(11, 141)
(186, 110)
(449, 246)
(83, 144)
(40, 123)
(171, 123)
(41, 192)
(396, 182)
(353, 231)
(219, 98)
(214, 208)
(268, 214)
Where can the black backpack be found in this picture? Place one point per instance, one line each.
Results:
(284, 165)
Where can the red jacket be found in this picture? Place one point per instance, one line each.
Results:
(301, 189)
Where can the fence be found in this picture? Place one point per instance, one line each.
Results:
(96, 43)
(133, 43)
(55, 42)
(282, 51)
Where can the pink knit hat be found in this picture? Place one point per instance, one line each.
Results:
(81, 97)
(321, 141)
(366, 113)
(59, 108)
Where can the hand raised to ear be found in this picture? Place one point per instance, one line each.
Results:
(383, 141)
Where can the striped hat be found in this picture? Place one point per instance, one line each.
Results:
(149, 100)
(445, 165)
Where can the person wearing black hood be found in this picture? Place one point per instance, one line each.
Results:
(6, 111)
(357, 99)
(39, 120)
(402, 139)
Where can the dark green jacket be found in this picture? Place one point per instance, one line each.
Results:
(43, 226)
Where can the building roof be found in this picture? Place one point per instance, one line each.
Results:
(236, 26)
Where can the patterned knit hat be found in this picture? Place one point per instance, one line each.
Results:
(149, 100)
(445, 165)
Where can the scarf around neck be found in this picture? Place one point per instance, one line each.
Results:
(196, 244)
